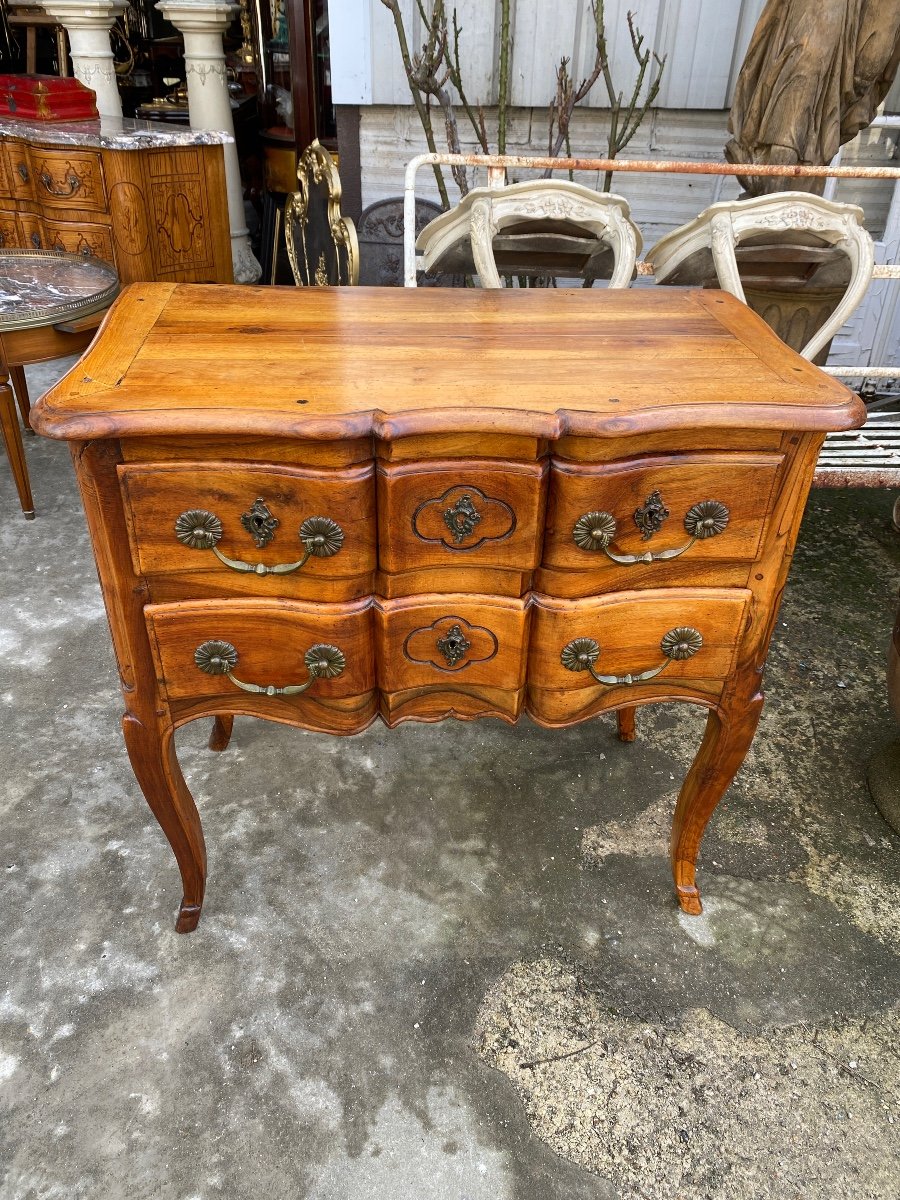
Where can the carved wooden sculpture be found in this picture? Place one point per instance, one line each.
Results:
(814, 75)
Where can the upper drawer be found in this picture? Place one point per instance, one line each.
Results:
(265, 520)
(67, 178)
(703, 506)
(18, 182)
(462, 513)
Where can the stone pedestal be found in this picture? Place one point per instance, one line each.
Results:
(202, 23)
(88, 22)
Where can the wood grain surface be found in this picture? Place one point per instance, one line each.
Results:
(397, 362)
(382, 410)
(271, 638)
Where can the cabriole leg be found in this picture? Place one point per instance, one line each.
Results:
(151, 750)
(220, 734)
(729, 732)
(625, 723)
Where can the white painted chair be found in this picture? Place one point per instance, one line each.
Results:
(549, 225)
(721, 228)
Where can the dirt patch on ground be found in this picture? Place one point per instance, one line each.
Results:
(695, 1108)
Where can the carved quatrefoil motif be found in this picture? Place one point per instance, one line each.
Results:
(463, 518)
(450, 643)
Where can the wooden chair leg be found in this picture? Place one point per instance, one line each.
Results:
(12, 440)
(625, 723)
(20, 387)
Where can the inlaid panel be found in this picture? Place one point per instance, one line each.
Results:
(18, 171)
(9, 230)
(92, 241)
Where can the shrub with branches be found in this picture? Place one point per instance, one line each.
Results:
(438, 64)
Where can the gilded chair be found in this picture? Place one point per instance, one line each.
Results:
(538, 227)
(802, 262)
(321, 242)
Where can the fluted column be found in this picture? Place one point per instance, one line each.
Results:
(88, 22)
(202, 23)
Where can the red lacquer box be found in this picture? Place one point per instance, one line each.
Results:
(46, 98)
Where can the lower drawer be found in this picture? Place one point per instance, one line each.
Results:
(451, 642)
(587, 655)
(92, 241)
(212, 648)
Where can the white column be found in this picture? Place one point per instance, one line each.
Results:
(202, 23)
(87, 22)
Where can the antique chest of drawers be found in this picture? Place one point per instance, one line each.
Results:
(323, 506)
(150, 201)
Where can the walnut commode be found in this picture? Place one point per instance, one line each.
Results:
(323, 506)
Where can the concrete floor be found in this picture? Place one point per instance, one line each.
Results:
(445, 961)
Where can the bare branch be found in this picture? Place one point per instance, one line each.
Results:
(456, 79)
(424, 116)
(503, 76)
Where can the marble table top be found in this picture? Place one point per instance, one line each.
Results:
(44, 287)
(111, 133)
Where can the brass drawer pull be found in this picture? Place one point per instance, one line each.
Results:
(71, 179)
(200, 530)
(220, 658)
(595, 531)
(23, 171)
(677, 645)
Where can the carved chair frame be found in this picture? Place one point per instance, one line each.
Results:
(722, 227)
(487, 211)
(313, 222)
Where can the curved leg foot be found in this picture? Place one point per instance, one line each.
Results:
(188, 916)
(151, 749)
(729, 732)
(625, 723)
(220, 734)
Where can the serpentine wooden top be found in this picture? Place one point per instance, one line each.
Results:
(347, 362)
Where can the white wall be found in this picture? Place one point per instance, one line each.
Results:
(704, 41)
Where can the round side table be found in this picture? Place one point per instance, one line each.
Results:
(50, 306)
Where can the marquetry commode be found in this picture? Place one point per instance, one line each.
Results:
(321, 506)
